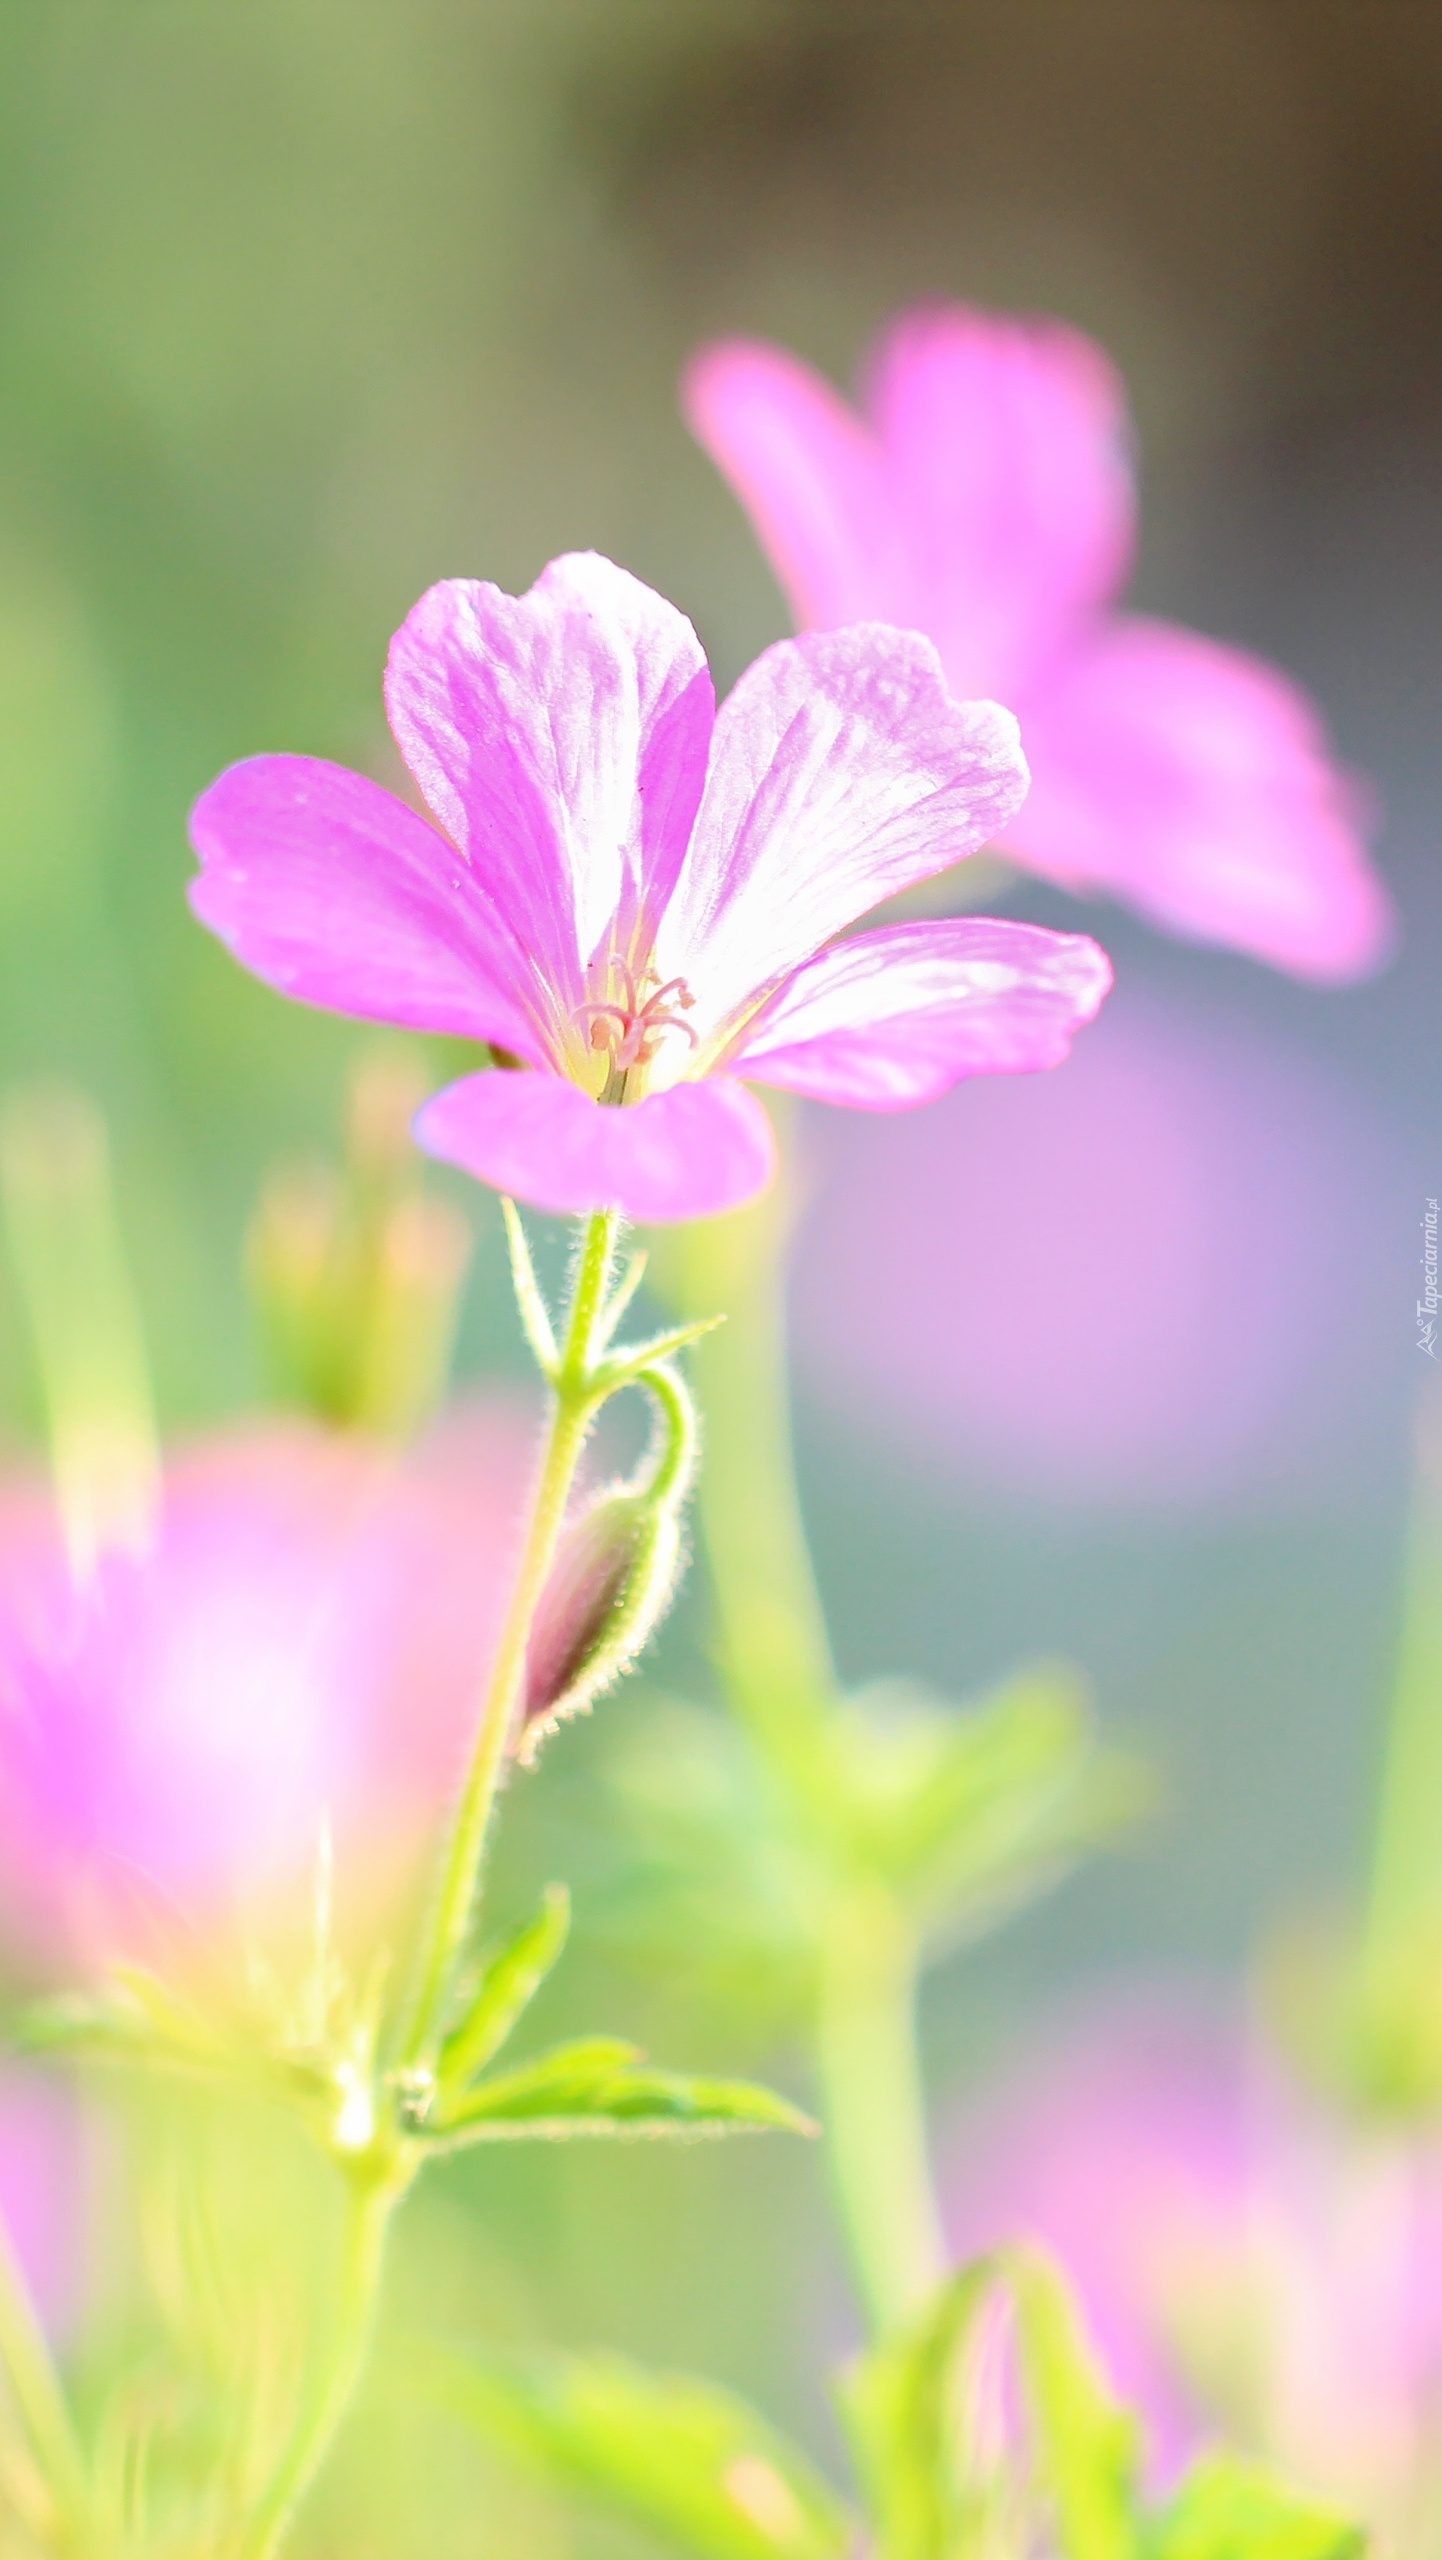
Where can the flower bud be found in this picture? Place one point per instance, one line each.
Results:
(356, 1274)
(609, 1588)
(69, 1260)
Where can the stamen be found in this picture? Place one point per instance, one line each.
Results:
(633, 1031)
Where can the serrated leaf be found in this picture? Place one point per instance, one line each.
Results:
(1087, 2445)
(901, 2402)
(1228, 2509)
(509, 1980)
(674, 2455)
(601, 2086)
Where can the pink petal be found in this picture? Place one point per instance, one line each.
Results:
(561, 739)
(1196, 782)
(332, 890)
(986, 499)
(810, 477)
(899, 1015)
(1008, 448)
(842, 771)
(684, 1153)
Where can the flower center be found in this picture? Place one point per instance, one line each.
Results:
(629, 1024)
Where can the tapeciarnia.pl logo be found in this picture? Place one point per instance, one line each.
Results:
(1427, 1303)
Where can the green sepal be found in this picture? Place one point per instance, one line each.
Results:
(675, 2456)
(599, 2085)
(622, 1368)
(899, 2402)
(509, 1979)
(1230, 2509)
(1087, 2447)
(531, 1306)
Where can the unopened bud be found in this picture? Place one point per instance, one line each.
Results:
(614, 1575)
(608, 1591)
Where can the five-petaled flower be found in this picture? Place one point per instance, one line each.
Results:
(986, 498)
(634, 897)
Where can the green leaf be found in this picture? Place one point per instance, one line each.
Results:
(662, 2451)
(969, 1811)
(708, 1859)
(1227, 2509)
(509, 1980)
(1087, 2444)
(598, 2085)
(904, 2407)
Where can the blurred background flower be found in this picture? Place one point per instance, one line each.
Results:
(295, 1655)
(984, 496)
(1253, 2265)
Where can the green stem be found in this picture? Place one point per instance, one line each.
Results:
(35, 2388)
(774, 1652)
(777, 1665)
(1406, 1882)
(675, 1464)
(370, 2202)
(573, 1405)
(874, 2103)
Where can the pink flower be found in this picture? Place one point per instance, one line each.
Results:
(986, 497)
(302, 1643)
(1248, 2265)
(629, 893)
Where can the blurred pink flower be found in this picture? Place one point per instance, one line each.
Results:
(633, 894)
(1249, 2266)
(1096, 1288)
(986, 497)
(302, 1643)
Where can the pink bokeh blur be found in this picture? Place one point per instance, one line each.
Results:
(1247, 2262)
(302, 1645)
(1125, 1281)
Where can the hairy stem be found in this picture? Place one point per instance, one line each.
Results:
(777, 1666)
(369, 2205)
(572, 1408)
